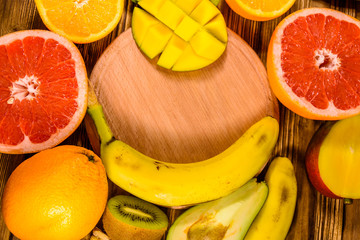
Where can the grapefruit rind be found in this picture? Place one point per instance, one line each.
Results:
(78, 38)
(275, 73)
(26, 146)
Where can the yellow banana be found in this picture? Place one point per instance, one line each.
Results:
(169, 184)
(275, 217)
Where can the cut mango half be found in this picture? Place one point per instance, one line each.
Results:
(339, 158)
(186, 35)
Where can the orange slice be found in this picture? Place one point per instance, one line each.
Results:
(81, 21)
(260, 10)
(43, 90)
(314, 64)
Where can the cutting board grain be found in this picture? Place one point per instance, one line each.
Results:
(181, 116)
(316, 217)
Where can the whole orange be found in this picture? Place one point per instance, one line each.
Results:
(59, 193)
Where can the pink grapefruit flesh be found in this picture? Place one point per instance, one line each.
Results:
(43, 90)
(314, 58)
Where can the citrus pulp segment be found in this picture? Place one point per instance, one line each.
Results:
(43, 90)
(314, 64)
(260, 10)
(186, 35)
(81, 21)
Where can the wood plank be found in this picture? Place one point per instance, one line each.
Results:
(316, 216)
(320, 3)
(7, 165)
(351, 221)
(246, 29)
(19, 15)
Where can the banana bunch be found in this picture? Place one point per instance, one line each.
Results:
(275, 217)
(169, 184)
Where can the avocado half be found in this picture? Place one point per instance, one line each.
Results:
(227, 218)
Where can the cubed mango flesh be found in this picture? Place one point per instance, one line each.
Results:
(173, 50)
(185, 34)
(189, 61)
(140, 28)
(187, 28)
(204, 12)
(173, 19)
(155, 40)
(151, 6)
(187, 5)
(206, 45)
(215, 27)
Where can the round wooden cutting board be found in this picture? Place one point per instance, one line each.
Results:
(181, 116)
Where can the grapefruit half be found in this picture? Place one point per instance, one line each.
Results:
(43, 90)
(314, 64)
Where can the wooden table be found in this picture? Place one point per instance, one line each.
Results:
(316, 216)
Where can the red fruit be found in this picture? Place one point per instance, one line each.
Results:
(333, 159)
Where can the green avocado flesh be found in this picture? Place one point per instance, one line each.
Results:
(227, 218)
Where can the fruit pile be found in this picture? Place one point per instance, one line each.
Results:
(61, 192)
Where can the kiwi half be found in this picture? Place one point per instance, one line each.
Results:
(128, 217)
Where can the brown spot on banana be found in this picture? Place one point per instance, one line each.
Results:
(120, 162)
(284, 198)
(284, 195)
(261, 140)
(161, 164)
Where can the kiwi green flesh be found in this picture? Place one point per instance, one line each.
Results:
(137, 212)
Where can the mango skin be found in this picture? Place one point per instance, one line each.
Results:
(184, 35)
(332, 159)
(311, 161)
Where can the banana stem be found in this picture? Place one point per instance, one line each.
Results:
(348, 201)
(96, 112)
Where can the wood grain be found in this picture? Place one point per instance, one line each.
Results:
(316, 217)
(181, 116)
